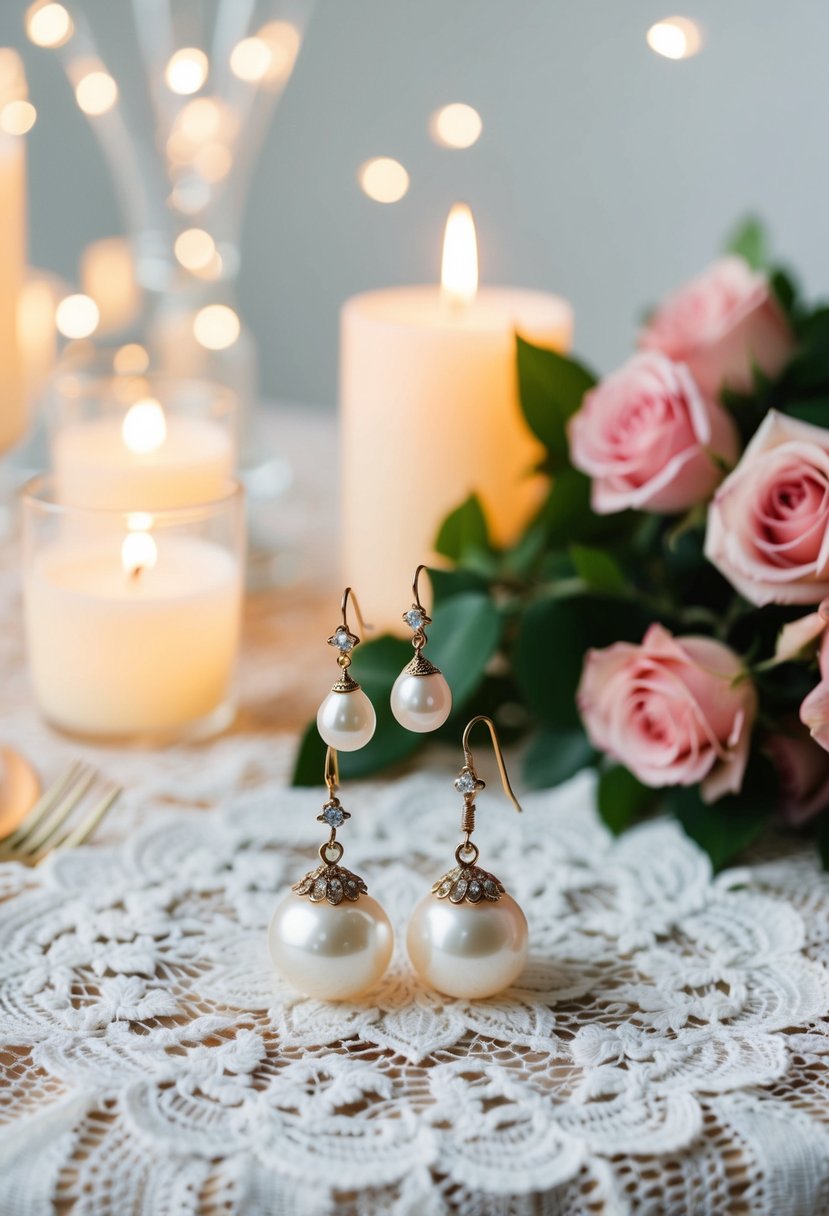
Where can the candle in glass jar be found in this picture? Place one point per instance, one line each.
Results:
(430, 414)
(132, 640)
(149, 459)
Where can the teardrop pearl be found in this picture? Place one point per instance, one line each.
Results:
(468, 950)
(421, 703)
(346, 720)
(333, 952)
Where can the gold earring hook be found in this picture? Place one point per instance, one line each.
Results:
(332, 771)
(415, 582)
(499, 755)
(349, 594)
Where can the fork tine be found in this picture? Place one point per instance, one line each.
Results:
(46, 832)
(87, 826)
(43, 806)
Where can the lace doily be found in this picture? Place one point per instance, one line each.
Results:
(663, 1052)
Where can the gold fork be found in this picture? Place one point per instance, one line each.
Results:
(42, 831)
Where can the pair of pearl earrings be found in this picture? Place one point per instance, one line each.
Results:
(466, 938)
(421, 699)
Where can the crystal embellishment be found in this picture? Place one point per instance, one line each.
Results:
(416, 618)
(468, 783)
(343, 640)
(333, 814)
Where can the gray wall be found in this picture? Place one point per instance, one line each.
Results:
(604, 172)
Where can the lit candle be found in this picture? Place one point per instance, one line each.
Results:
(146, 458)
(136, 639)
(430, 413)
(13, 414)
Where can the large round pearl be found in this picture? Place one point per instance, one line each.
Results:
(421, 703)
(468, 950)
(346, 720)
(333, 952)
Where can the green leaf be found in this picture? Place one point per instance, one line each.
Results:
(749, 241)
(621, 798)
(310, 758)
(566, 510)
(599, 569)
(784, 288)
(464, 531)
(448, 583)
(555, 756)
(462, 640)
(551, 388)
(815, 411)
(548, 659)
(726, 827)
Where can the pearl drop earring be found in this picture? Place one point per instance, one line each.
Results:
(328, 938)
(467, 937)
(421, 699)
(346, 719)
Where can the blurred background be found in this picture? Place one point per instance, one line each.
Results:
(604, 170)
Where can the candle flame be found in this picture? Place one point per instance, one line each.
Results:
(459, 269)
(144, 428)
(138, 553)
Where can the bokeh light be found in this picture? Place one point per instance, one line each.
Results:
(675, 38)
(49, 25)
(383, 179)
(144, 428)
(250, 60)
(216, 327)
(131, 359)
(194, 248)
(96, 92)
(456, 126)
(186, 71)
(77, 316)
(17, 117)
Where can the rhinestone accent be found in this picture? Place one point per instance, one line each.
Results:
(467, 783)
(415, 618)
(333, 816)
(343, 640)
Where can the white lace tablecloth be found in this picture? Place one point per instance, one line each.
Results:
(664, 1052)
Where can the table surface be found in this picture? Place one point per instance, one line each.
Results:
(664, 1052)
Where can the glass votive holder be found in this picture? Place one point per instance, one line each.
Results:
(136, 440)
(132, 619)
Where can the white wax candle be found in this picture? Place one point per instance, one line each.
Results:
(430, 413)
(116, 655)
(13, 413)
(95, 466)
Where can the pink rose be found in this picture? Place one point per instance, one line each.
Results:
(814, 712)
(722, 324)
(803, 772)
(768, 526)
(649, 439)
(675, 711)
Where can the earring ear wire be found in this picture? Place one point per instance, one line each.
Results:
(421, 699)
(346, 718)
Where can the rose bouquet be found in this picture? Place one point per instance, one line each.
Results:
(663, 617)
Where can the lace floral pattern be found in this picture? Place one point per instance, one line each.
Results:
(663, 1052)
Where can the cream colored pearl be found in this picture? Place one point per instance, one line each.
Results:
(346, 720)
(333, 952)
(468, 950)
(421, 703)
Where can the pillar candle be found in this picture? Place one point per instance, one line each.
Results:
(430, 414)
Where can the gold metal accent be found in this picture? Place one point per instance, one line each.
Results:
(420, 666)
(422, 618)
(499, 755)
(332, 771)
(467, 881)
(332, 882)
(346, 682)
